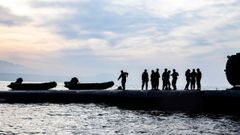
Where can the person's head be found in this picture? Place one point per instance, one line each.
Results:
(198, 70)
(152, 71)
(157, 69)
(121, 71)
(174, 70)
(169, 71)
(74, 80)
(19, 80)
(145, 70)
(193, 70)
(165, 69)
(188, 70)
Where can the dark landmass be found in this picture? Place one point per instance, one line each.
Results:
(8, 67)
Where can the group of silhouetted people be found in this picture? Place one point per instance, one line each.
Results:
(193, 78)
(166, 79)
(154, 78)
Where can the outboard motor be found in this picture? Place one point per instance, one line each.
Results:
(233, 70)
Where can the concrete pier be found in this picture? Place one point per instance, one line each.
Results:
(225, 101)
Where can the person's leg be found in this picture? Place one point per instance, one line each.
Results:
(191, 85)
(194, 84)
(174, 84)
(187, 85)
(146, 85)
(164, 85)
(169, 85)
(123, 85)
(152, 83)
(198, 85)
(155, 85)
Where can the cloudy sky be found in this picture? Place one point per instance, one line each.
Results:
(100, 37)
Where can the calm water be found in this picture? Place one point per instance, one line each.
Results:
(100, 119)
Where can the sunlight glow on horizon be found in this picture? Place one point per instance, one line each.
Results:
(104, 37)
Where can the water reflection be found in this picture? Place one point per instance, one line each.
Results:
(99, 119)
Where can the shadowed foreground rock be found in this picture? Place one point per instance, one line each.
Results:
(226, 101)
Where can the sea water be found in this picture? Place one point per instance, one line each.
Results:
(101, 119)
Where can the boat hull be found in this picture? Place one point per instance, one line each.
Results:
(32, 86)
(89, 86)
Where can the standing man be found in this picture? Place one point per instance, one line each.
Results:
(124, 76)
(153, 80)
(193, 79)
(164, 79)
(199, 77)
(157, 78)
(174, 79)
(188, 78)
(168, 80)
(145, 79)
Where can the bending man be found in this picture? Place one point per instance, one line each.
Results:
(124, 76)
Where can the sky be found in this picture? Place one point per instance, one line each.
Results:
(93, 38)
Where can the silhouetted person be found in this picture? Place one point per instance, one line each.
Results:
(19, 80)
(145, 79)
(153, 80)
(188, 78)
(74, 80)
(174, 79)
(157, 75)
(164, 79)
(124, 76)
(198, 78)
(193, 79)
(168, 80)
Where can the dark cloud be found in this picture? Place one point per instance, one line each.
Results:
(9, 18)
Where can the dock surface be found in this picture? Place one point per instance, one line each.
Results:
(225, 101)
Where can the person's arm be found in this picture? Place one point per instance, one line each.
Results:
(119, 76)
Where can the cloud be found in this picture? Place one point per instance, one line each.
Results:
(95, 36)
(8, 18)
(164, 8)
